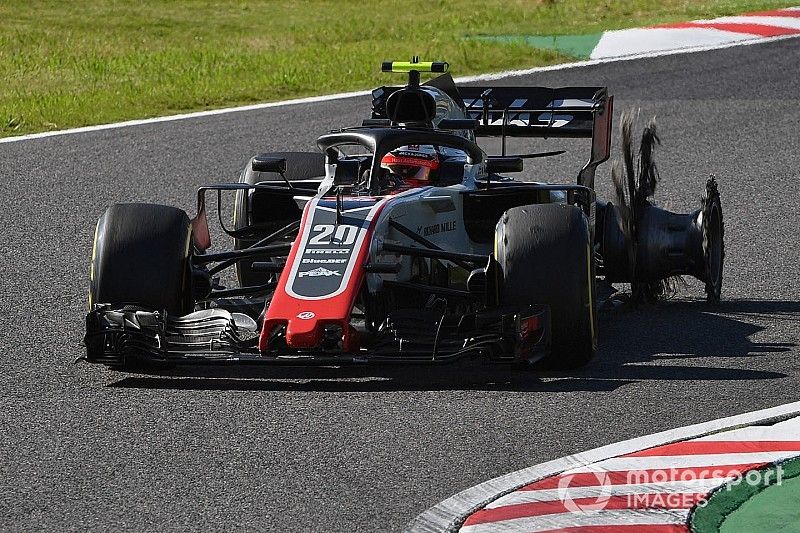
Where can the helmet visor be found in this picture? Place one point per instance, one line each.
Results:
(410, 172)
(410, 165)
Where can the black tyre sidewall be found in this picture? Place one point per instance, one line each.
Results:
(141, 257)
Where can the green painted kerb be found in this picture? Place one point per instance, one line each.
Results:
(748, 507)
(577, 46)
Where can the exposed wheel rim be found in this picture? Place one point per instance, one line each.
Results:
(713, 240)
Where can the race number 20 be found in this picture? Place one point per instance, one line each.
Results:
(329, 234)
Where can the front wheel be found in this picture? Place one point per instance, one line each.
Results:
(140, 257)
(545, 256)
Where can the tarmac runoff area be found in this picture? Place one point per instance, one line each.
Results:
(735, 474)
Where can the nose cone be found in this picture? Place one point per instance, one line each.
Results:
(303, 331)
(323, 274)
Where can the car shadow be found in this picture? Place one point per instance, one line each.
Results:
(673, 340)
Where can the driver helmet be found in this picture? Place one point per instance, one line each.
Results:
(415, 164)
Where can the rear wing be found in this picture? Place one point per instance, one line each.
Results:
(534, 111)
(582, 112)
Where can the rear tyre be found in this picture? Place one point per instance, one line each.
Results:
(544, 253)
(141, 257)
(299, 166)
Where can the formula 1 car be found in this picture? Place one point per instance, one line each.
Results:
(400, 241)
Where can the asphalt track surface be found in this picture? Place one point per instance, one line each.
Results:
(367, 449)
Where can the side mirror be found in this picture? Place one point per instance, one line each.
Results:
(504, 164)
(263, 163)
(347, 172)
(457, 124)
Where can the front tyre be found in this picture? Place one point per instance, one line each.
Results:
(141, 257)
(545, 257)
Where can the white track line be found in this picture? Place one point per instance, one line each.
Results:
(784, 431)
(449, 514)
(183, 116)
(341, 96)
(657, 462)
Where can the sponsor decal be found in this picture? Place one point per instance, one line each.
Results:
(442, 227)
(525, 119)
(312, 251)
(306, 315)
(307, 260)
(328, 248)
(317, 272)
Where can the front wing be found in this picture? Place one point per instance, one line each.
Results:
(218, 336)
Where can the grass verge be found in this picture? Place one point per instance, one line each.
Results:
(733, 503)
(68, 64)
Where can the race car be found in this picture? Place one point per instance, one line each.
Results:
(401, 240)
